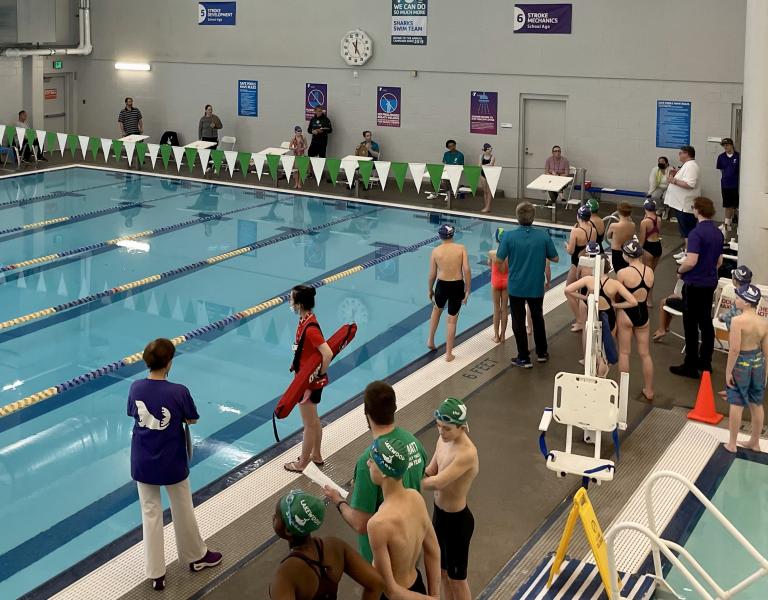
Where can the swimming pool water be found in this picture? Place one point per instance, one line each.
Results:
(742, 497)
(65, 488)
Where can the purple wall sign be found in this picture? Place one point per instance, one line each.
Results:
(543, 18)
(483, 109)
(315, 94)
(388, 106)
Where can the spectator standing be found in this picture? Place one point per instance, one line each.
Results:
(558, 165)
(130, 120)
(208, 128)
(298, 146)
(314, 567)
(379, 405)
(23, 144)
(729, 163)
(684, 188)
(527, 250)
(699, 274)
(657, 180)
(159, 459)
(320, 128)
(487, 159)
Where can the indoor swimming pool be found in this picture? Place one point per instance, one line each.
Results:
(68, 317)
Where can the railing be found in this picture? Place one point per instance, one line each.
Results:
(668, 548)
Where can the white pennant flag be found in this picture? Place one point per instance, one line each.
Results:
(382, 170)
(40, 139)
(318, 164)
(349, 166)
(41, 286)
(453, 174)
(21, 135)
(62, 289)
(153, 149)
(106, 144)
(287, 161)
(2, 133)
(152, 308)
(205, 155)
(83, 143)
(62, 139)
(417, 172)
(231, 157)
(130, 147)
(130, 303)
(258, 162)
(178, 155)
(492, 175)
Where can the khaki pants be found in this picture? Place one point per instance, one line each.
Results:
(188, 541)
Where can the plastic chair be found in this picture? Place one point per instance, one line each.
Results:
(10, 152)
(228, 139)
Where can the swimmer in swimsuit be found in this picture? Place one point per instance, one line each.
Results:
(637, 278)
(650, 239)
(450, 279)
(401, 528)
(499, 292)
(618, 233)
(581, 234)
(597, 222)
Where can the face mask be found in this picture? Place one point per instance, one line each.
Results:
(662, 166)
(293, 308)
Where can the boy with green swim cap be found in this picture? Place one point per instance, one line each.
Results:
(401, 529)
(450, 474)
(315, 566)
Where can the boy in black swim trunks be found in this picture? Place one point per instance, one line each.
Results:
(450, 279)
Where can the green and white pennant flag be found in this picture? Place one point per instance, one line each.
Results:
(453, 174)
(349, 166)
(178, 156)
(62, 139)
(205, 155)
(153, 150)
(318, 164)
(106, 146)
(382, 170)
(2, 133)
(258, 162)
(41, 285)
(231, 157)
(287, 161)
(417, 172)
(83, 139)
(40, 139)
(21, 134)
(492, 175)
(130, 148)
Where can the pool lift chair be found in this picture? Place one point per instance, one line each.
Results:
(588, 402)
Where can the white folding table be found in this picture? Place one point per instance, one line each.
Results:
(550, 183)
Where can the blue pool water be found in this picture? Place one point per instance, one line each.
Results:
(741, 497)
(65, 488)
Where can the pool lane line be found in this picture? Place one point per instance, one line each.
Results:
(183, 270)
(214, 216)
(47, 393)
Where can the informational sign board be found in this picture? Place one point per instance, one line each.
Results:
(673, 123)
(388, 106)
(51, 93)
(409, 22)
(216, 13)
(315, 94)
(248, 98)
(483, 112)
(543, 18)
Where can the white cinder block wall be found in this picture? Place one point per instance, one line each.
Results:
(11, 89)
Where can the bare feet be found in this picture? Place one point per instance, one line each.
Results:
(449, 357)
(602, 369)
(486, 210)
(576, 328)
(431, 344)
(648, 395)
(495, 339)
(658, 335)
(753, 447)
(731, 449)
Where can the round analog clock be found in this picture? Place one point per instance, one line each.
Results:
(356, 48)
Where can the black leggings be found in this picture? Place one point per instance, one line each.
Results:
(697, 316)
(517, 310)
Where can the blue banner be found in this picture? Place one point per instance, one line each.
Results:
(673, 124)
(543, 18)
(216, 13)
(248, 98)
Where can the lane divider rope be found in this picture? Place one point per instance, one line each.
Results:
(46, 312)
(47, 393)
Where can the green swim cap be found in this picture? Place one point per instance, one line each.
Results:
(302, 513)
(391, 456)
(593, 205)
(453, 411)
(499, 233)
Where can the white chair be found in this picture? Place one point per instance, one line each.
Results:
(570, 201)
(11, 151)
(678, 291)
(228, 139)
(589, 403)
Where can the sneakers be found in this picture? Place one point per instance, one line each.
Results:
(523, 363)
(211, 559)
(680, 260)
(542, 358)
(158, 584)
(431, 196)
(684, 371)
(679, 255)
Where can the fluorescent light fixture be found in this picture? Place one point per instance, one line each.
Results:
(126, 66)
(134, 246)
(13, 386)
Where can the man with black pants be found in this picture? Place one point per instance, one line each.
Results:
(319, 127)
(728, 164)
(699, 274)
(528, 250)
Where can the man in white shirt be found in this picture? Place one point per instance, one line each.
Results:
(684, 186)
(23, 143)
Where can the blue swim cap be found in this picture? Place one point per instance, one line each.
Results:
(592, 249)
(742, 274)
(584, 213)
(649, 205)
(750, 294)
(498, 234)
(446, 231)
(632, 248)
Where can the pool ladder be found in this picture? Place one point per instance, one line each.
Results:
(668, 548)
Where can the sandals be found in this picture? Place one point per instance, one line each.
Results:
(293, 467)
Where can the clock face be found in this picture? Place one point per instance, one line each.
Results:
(356, 48)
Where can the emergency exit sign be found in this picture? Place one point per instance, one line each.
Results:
(58, 64)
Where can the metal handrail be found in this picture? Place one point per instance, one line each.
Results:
(661, 546)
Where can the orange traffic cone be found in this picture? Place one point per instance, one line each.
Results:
(704, 410)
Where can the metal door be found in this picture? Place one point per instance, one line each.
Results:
(543, 127)
(55, 103)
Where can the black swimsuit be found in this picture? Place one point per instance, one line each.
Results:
(639, 314)
(610, 312)
(577, 250)
(327, 589)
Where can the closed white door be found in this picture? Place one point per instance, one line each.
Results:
(55, 104)
(543, 127)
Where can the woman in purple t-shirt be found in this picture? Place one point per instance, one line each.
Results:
(159, 458)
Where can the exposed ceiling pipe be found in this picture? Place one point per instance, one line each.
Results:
(85, 47)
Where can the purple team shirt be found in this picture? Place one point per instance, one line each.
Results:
(707, 241)
(158, 445)
(729, 169)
